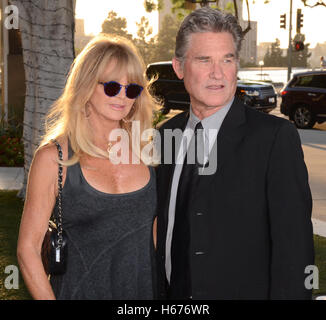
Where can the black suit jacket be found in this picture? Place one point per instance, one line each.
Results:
(254, 227)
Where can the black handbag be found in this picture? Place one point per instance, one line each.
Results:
(54, 247)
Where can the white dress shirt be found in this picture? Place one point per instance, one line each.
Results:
(211, 126)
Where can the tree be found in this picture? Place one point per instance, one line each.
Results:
(315, 3)
(116, 25)
(151, 5)
(142, 42)
(165, 41)
(47, 32)
(274, 56)
(183, 7)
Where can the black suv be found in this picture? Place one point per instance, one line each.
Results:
(171, 90)
(304, 99)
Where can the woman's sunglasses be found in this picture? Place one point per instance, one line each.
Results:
(112, 88)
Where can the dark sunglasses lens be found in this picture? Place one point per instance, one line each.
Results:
(111, 88)
(133, 91)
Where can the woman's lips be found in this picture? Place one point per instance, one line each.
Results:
(117, 106)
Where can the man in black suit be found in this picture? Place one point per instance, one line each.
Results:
(243, 230)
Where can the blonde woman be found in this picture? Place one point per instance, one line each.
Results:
(108, 207)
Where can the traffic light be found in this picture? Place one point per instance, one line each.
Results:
(299, 20)
(283, 21)
(298, 46)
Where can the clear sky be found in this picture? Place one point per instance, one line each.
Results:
(268, 16)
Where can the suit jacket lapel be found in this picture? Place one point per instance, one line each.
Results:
(230, 135)
(168, 169)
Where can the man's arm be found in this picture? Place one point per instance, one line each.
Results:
(290, 206)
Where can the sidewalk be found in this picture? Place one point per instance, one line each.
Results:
(12, 179)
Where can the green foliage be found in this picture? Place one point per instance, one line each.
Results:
(165, 41)
(158, 117)
(12, 127)
(320, 262)
(11, 146)
(143, 41)
(116, 25)
(230, 8)
(11, 152)
(274, 56)
(151, 5)
(152, 49)
(182, 8)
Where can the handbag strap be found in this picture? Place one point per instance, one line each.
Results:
(59, 220)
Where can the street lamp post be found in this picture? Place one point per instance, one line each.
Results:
(261, 63)
(290, 43)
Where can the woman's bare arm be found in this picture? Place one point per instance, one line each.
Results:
(39, 203)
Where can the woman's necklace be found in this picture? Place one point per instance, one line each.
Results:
(110, 145)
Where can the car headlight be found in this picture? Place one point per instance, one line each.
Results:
(252, 93)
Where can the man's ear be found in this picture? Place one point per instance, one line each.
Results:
(177, 67)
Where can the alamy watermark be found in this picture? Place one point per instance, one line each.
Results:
(174, 144)
(312, 281)
(12, 20)
(12, 280)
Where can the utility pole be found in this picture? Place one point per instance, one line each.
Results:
(290, 44)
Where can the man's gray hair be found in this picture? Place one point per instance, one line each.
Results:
(207, 19)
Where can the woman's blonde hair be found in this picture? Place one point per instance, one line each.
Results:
(67, 117)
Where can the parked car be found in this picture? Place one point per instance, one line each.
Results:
(171, 90)
(304, 99)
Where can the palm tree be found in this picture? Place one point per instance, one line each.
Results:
(47, 32)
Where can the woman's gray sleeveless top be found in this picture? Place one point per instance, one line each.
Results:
(110, 241)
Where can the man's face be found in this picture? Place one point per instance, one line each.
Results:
(209, 71)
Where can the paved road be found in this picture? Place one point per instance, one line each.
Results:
(314, 148)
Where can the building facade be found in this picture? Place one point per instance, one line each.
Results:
(12, 67)
(80, 38)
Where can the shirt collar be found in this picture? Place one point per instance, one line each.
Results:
(212, 122)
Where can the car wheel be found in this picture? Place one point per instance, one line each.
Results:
(303, 117)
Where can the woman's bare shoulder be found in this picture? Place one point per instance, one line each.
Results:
(48, 153)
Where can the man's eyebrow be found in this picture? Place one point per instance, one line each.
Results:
(202, 57)
(228, 55)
